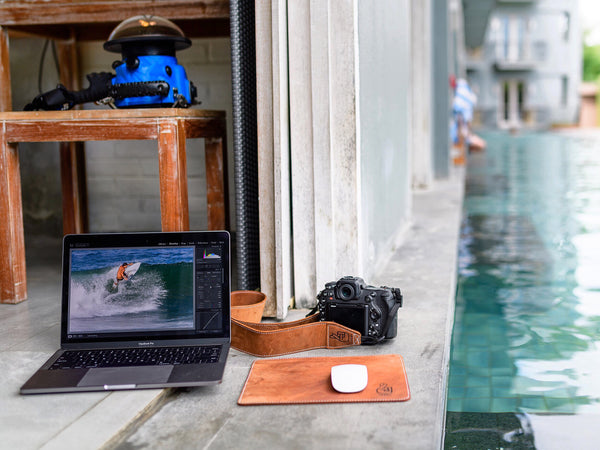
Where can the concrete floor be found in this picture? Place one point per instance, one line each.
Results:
(424, 267)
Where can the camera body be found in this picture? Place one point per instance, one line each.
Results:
(367, 309)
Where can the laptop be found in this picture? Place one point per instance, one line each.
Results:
(140, 311)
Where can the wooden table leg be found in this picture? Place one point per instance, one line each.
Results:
(5, 92)
(216, 183)
(74, 192)
(13, 282)
(172, 170)
(72, 155)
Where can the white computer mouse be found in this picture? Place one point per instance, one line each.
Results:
(349, 378)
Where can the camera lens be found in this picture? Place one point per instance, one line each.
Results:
(346, 292)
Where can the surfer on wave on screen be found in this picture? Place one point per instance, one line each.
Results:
(121, 274)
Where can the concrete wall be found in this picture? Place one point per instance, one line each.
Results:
(440, 92)
(123, 189)
(347, 161)
(421, 82)
(384, 127)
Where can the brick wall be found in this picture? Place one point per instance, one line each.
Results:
(123, 188)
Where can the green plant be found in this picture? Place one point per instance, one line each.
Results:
(591, 62)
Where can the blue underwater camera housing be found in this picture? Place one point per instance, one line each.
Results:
(154, 68)
(149, 66)
(147, 75)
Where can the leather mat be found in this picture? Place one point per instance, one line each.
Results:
(308, 380)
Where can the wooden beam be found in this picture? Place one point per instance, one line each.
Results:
(43, 12)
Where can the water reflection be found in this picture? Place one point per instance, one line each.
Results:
(528, 301)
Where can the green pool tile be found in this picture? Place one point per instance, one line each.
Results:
(458, 354)
(454, 404)
(504, 404)
(476, 404)
(457, 369)
(478, 358)
(532, 404)
(456, 392)
(523, 352)
(502, 371)
(479, 371)
(502, 381)
(477, 340)
(500, 359)
(478, 392)
(477, 381)
(502, 392)
(496, 325)
(457, 381)
(497, 346)
(474, 320)
(545, 351)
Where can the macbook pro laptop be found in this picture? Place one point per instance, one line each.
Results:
(141, 310)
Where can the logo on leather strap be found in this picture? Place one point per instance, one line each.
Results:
(344, 337)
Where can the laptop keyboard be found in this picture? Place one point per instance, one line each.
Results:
(87, 359)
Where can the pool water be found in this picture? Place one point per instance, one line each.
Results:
(526, 335)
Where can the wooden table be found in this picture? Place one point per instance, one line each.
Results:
(170, 127)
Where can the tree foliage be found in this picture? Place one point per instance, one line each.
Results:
(591, 62)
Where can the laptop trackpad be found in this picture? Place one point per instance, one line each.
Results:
(126, 376)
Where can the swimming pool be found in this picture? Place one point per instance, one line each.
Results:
(527, 321)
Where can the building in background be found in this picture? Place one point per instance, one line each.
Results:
(526, 66)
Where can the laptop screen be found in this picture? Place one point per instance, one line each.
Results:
(141, 286)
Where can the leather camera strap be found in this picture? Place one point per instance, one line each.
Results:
(283, 338)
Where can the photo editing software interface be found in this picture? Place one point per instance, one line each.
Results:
(167, 288)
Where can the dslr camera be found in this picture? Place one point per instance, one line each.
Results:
(367, 309)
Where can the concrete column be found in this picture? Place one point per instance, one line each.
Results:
(343, 122)
(341, 130)
(323, 173)
(273, 156)
(440, 90)
(421, 81)
(301, 139)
